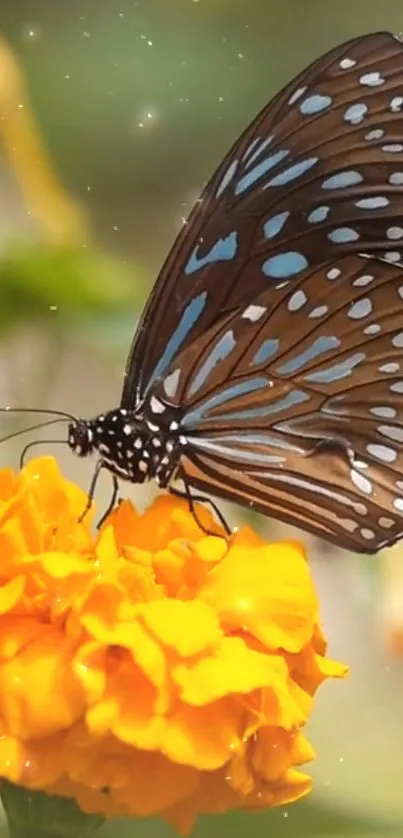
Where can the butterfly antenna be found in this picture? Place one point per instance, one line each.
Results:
(31, 428)
(39, 411)
(39, 442)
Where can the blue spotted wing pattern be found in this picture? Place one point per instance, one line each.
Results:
(318, 174)
(294, 404)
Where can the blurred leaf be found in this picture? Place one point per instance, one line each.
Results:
(60, 287)
(301, 819)
(33, 813)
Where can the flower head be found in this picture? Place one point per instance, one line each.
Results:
(151, 670)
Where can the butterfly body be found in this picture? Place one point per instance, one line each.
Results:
(129, 445)
(267, 368)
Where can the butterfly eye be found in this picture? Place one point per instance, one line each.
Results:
(80, 438)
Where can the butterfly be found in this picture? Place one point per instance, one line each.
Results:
(266, 368)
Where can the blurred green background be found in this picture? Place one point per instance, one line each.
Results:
(136, 102)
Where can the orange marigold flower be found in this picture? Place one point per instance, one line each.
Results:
(151, 670)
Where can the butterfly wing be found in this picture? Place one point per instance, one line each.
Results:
(318, 174)
(295, 406)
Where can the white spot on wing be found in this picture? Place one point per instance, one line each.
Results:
(253, 313)
(391, 432)
(355, 113)
(396, 104)
(297, 94)
(319, 311)
(386, 523)
(347, 63)
(394, 233)
(296, 301)
(375, 134)
(389, 369)
(360, 309)
(156, 405)
(367, 534)
(397, 340)
(383, 412)
(362, 281)
(227, 178)
(362, 483)
(334, 273)
(382, 452)
(170, 383)
(371, 79)
(396, 179)
(372, 329)
(348, 524)
(393, 256)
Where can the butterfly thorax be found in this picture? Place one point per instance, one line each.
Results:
(130, 445)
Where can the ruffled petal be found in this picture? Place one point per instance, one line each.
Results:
(267, 591)
(152, 669)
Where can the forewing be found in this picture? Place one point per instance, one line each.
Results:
(295, 407)
(318, 174)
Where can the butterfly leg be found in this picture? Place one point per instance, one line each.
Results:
(192, 499)
(91, 491)
(112, 502)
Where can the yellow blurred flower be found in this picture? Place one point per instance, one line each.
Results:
(391, 599)
(151, 670)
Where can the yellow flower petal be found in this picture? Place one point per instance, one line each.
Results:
(131, 635)
(89, 665)
(17, 632)
(267, 592)
(291, 787)
(234, 668)
(151, 669)
(39, 693)
(11, 593)
(188, 627)
(211, 549)
(203, 737)
(271, 753)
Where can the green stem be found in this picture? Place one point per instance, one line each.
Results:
(18, 830)
(34, 814)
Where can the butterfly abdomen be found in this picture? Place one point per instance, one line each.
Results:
(131, 446)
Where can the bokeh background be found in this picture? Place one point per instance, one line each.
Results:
(112, 115)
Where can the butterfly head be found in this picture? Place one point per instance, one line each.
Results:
(129, 446)
(81, 437)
